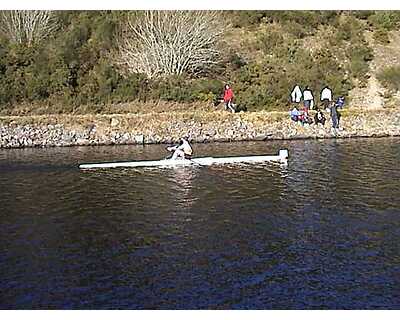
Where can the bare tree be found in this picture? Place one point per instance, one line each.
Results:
(158, 43)
(26, 26)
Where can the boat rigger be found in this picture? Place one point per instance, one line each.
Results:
(206, 161)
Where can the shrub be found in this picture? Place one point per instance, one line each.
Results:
(136, 86)
(241, 19)
(363, 14)
(206, 89)
(360, 56)
(236, 61)
(388, 20)
(163, 43)
(270, 41)
(349, 29)
(172, 88)
(381, 36)
(390, 78)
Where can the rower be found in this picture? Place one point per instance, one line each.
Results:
(183, 150)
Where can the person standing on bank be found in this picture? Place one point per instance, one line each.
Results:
(296, 94)
(335, 116)
(228, 98)
(308, 99)
(326, 97)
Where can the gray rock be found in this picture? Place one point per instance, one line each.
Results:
(114, 122)
(139, 139)
(81, 141)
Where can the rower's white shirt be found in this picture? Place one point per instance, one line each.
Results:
(326, 93)
(186, 147)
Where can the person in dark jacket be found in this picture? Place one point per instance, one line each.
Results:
(335, 116)
(319, 117)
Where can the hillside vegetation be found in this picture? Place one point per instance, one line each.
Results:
(262, 54)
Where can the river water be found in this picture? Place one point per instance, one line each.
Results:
(322, 232)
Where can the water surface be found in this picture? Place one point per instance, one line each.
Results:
(321, 233)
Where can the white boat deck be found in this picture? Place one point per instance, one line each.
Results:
(206, 161)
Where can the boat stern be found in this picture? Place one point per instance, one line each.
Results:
(284, 154)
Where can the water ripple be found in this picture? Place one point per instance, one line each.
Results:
(319, 233)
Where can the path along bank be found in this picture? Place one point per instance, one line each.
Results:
(201, 126)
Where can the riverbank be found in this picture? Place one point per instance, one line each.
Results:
(201, 126)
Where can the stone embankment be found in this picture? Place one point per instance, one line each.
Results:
(46, 131)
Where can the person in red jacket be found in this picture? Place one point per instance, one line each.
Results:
(228, 97)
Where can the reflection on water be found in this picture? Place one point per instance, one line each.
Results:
(320, 233)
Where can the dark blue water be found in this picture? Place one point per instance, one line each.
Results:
(321, 233)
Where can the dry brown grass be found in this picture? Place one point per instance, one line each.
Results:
(156, 117)
(135, 107)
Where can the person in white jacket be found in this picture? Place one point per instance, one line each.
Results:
(308, 99)
(296, 94)
(182, 151)
(326, 96)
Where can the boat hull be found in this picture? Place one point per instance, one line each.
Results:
(206, 161)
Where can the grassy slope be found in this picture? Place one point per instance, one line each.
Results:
(243, 41)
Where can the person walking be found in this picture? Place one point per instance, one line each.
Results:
(228, 98)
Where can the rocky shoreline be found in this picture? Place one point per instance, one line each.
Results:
(50, 131)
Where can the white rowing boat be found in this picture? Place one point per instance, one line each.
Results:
(281, 157)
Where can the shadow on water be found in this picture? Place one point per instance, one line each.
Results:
(320, 233)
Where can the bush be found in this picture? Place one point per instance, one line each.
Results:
(388, 20)
(206, 89)
(173, 88)
(270, 41)
(136, 86)
(381, 36)
(390, 78)
(242, 19)
(236, 61)
(349, 29)
(360, 56)
(362, 15)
